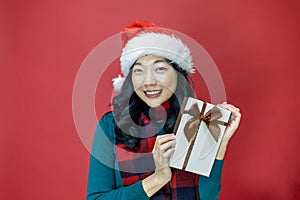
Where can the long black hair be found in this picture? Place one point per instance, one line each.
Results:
(127, 107)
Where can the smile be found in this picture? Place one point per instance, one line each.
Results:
(152, 93)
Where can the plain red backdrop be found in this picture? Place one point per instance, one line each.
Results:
(255, 45)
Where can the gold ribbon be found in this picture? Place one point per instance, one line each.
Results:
(211, 119)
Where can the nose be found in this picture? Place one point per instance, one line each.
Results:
(150, 79)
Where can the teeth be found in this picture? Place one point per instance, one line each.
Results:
(152, 92)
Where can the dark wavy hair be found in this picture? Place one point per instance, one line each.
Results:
(127, 107)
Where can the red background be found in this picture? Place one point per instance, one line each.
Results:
(255, 45)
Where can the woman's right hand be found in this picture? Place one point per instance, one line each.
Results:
(163, 148)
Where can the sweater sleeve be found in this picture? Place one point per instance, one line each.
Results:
(210, 187)
(101, 178)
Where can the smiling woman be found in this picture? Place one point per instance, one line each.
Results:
(154, 80)
(133, 143)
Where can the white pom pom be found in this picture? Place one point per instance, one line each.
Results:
(118, 83)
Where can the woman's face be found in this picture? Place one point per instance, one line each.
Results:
(154, 80)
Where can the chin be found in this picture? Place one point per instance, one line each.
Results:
(153, 104)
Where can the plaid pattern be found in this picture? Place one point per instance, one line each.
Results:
(135, 165)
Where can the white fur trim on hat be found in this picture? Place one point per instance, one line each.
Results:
(157, 44)
(118, 83)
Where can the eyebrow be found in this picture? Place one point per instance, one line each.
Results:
(155, 62)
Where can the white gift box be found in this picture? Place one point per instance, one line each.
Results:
(199, 131)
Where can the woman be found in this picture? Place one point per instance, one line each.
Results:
(133, 144)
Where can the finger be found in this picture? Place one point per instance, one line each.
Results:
(167, 145)
(229, 107)
(233, 107)
(165, 138)
(235, 119)
(169, 152)
(236, 113)
(223, 105)
(166, 135)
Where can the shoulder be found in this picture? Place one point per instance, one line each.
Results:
(107, 118)
(107, 125)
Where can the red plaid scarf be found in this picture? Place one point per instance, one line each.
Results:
(135, 165)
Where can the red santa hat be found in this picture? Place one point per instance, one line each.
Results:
(142, 38)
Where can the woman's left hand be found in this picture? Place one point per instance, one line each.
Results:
(234, 122)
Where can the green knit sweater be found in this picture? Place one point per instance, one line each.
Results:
(104, 179)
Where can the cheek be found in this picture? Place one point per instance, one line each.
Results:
(136, 82)
(174, 83)
(171, 82)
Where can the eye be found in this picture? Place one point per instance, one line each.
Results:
(161, 69)
(137, 70)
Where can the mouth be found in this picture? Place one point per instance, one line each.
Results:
(152, 93)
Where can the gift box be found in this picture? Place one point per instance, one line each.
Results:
(199, 130)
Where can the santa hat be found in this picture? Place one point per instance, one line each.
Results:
(142, 38)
